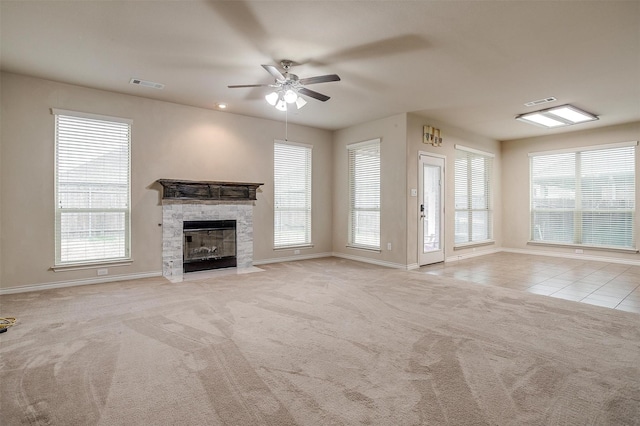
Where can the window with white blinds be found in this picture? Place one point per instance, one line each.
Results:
(584, 196)
(92, 185)
(292, 194)
(364, 194)
(473, 182)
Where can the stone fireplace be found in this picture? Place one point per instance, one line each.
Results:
(195, 203)
(208, 244)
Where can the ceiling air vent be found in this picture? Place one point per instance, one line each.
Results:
(146, 83)
(540, 101)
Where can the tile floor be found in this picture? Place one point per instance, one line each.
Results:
(611, 285)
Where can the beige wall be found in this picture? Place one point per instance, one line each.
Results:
(1, 150)
(451, 136)
(180, 142)
(515, 183)
(401, 140)
(392, 134)
(168, 141)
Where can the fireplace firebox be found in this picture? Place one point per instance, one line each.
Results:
(209, 244)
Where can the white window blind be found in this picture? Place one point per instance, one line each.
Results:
(92, 182)
(364, 194)
(292, 194)
(584, 197)
(473, 182)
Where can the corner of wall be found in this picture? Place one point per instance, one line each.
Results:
(515, 186)
(393, 133)
(451, 136)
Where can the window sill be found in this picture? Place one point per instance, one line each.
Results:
(583, 247)
(473, 245)
(90, 265)
(298, 246)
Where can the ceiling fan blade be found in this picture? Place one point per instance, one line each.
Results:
(374, 50)
(274, 72)
(320, 79)
(312, 94)
(239, 15)
(247, 85)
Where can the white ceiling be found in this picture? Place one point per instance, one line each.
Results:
(472, 64)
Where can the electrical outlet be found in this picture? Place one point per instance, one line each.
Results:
(296, 252)
(579, 251)
(388, 246)
(414, 192)
(104, 271)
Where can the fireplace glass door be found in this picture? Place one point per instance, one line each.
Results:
(209, 245)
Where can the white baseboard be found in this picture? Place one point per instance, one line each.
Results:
(572, 256)
(73, 283)
(291, 258)
(471, 254)
(335, 254)
(368, 260)
(153, 274)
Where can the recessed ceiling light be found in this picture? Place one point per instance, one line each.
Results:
(565, 115)
(221, 106)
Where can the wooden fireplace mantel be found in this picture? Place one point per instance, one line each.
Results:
(204, 190)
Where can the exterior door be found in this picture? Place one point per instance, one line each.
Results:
(431, 213)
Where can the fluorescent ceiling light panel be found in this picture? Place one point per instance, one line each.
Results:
(543, 120)
(572, 114)
(564, 115)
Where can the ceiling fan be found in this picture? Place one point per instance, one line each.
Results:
(287, 86)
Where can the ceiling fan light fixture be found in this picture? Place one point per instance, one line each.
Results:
(287, 87)
(300, 102)
(290, 96)
(272, 98)
(281, 105)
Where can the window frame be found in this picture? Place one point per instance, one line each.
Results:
(307, 209)
(59, 264)
(488, 174)
(578, 212)
(352, 150)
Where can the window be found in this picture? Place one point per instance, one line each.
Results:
(473, 181)
(292, 194)
(584, 196)
(364, 194)
(92, 184)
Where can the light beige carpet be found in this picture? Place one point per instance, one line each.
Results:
(322, 342)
